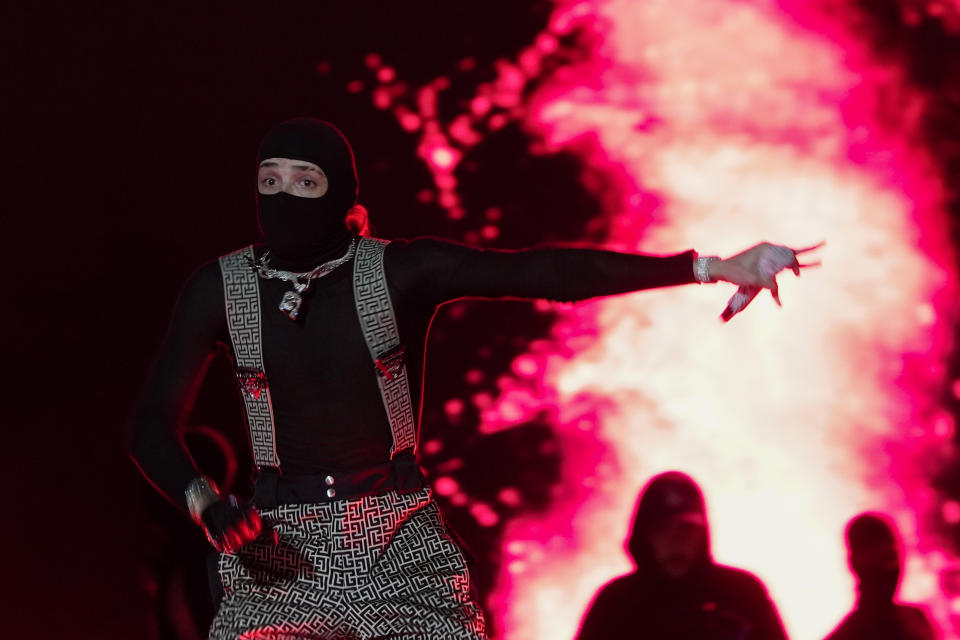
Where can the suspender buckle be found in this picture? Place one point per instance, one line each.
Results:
(252, 381)
(390, 362)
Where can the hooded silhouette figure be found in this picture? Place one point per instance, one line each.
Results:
(875, 559)
(677, 591)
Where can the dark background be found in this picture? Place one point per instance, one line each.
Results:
(132, 136)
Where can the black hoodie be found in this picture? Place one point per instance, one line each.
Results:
(711, 602)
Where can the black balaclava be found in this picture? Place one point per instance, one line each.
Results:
(668, 494)
(304, 232)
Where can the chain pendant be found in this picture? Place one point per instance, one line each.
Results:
(292, 301)
(290, 304)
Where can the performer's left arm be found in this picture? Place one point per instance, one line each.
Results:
(446, 270)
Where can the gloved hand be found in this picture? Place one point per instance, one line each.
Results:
(756, 269)
(230, 525)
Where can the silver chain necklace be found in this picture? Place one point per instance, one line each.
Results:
(292, 300)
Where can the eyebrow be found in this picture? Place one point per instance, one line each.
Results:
(299, 167)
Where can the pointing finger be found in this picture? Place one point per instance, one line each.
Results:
(775, 291)
(813, 248)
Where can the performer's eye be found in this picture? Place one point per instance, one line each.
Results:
(270, 181)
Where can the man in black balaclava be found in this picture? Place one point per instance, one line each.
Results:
(326, 331)
(677, 592)
(306, 226)
(874, 556)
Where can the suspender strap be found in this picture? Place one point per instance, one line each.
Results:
(379, 326)
(241, 293)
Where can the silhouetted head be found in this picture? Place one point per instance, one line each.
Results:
(670, 537)
(874, 555)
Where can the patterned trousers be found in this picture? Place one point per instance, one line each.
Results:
(373, 567)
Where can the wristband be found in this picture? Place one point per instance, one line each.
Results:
(701, 268)
(200, 494)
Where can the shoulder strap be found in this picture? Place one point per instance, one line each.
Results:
(379, 325)
(241, 292)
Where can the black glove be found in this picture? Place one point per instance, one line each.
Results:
(230, 525)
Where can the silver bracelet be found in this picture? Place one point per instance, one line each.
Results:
(200, 494)
(701, 268)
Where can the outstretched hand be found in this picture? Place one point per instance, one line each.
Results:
(756, 269)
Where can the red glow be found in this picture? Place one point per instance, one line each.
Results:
(526, 365)
(445, 181)
(510, 497)
(448, 199)
(443, 157)
(489, 232)
(485, 516)
(461, 131)
(482, 400)
(497, 121)
(386, 75)
(480, 105)
(410, 122)
(445, 486)
(529, 61)
(453, 407)
(381, 98)
(546, 43)
(427, 103)
(951, 511)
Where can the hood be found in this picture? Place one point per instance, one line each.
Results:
(668, 494)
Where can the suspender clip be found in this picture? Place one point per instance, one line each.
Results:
(252, 381)
(390, 362)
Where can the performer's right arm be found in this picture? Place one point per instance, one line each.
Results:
(190, 343)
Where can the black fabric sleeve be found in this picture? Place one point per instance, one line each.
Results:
(191, 341)
(440, 271)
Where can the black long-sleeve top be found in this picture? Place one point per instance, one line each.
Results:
(327, 408)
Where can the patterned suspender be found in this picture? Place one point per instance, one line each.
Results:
(377, 321)
(241, 294)
(379, 325)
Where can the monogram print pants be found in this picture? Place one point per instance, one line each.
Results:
(373, 567)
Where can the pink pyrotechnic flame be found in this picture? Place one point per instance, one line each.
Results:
(726, 123)
(743, 125)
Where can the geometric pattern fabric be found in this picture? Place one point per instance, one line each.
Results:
(373, 567)
(241, 293)
(379, 325)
